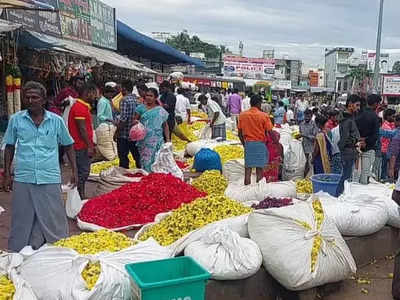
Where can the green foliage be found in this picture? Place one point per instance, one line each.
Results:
(396, 67)
(360, 73)
(187, 44)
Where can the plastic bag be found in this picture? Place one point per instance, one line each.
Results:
(300, 249)
(225, 254)
(294, 161)
(261, 190)
(138, 132)
(165, 162)
(55, 273)
(105, 141)
(9, 262)
(74, 202)
(207, 159)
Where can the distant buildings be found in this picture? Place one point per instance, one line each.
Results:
(288, 69)
(316, 77)
(337, 65)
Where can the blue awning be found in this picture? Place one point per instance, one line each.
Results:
(134, 43)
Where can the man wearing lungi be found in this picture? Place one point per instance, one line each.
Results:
(33, 135)
(253, 128)
(216, 117)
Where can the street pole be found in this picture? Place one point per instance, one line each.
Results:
(378, 50)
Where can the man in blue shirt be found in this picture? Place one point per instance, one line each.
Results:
(33, 135)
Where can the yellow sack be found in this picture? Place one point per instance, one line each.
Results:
(116, 101)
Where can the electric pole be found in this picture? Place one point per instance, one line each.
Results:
(378, 50)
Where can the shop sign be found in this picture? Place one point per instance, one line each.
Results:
(391, 85)
(282, 84)
(75, 20)
(245, 67)
(102, 23)
(45, 22)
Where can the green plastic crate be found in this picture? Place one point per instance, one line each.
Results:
(179, 278)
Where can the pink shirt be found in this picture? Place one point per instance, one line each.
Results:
(235, 104)
(386, 141)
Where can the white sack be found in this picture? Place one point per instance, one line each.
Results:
(261, 190)
(236, 224)
(55, 273)
(356, 190)
(105, 141)
(165, 162)
(356, 216)
(225, 255)
(9, 262)
(286, 246)
(294, 161)
(233, 170)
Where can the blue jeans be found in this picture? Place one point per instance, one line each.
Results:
(348, 164)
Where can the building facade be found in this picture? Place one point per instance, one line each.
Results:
(337, 65)
(288, 69)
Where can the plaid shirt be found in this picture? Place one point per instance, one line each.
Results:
(128, 109)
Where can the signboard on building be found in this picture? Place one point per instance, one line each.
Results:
(384, 61)
(46, 22)
(391, 85)
(282, 85)
(87, 21)
(251, 68)
(75, 20)
(102, 24)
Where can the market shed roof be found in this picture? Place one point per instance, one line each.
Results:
(132, 42)
(41, 41)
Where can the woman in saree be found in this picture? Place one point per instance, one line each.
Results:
(154, 118)
(322, 148)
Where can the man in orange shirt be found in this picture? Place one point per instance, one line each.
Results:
(80, 127)
(253, 128)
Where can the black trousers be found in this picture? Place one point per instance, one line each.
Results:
(124, 147)
(83, 165)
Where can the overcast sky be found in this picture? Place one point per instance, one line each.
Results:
(299, 29)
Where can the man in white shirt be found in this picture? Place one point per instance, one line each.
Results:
(216, 117)
(246, 102)
(289, 115)
(182, 106)
(300, 107)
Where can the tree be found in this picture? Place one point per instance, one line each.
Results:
(396, 67)
(187, 44)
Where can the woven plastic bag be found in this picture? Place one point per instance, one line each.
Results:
(301, 246)
(207, 159)
(225, 254)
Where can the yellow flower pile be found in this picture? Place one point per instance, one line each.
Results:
(211, 182)
(195, 126)
(230, 136)
(187, 131)
(97, 168)
(199, 114)
(7, 288)
(304, 186)
(229, 152)
(192, 216)
(92, 243)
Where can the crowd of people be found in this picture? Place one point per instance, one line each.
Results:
(353, 141)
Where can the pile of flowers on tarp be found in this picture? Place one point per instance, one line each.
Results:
(138, 202)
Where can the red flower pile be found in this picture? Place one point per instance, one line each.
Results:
(138, 202)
